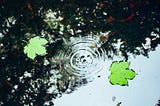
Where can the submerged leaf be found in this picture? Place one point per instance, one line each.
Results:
(120, 73)
(35, 47)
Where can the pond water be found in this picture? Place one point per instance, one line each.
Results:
(83, 57)
(143, 90)
(61, 51)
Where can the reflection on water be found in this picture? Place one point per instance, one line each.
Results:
(83, 57)
(78, 64)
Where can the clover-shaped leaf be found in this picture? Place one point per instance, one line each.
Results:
(120, 73)
(35, 47)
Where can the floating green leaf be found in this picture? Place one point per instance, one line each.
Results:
(35, 47)
(120, 73)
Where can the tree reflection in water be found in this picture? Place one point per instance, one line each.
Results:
(134, 30)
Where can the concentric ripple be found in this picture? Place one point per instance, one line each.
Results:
(83, 57)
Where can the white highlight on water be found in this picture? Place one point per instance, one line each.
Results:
(83, 57)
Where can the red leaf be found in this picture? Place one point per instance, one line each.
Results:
(110, 19)
(131, 5)
(128, 18)
(29, 7)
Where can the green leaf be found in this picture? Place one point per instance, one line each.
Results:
(120, 73)
(35, 47)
